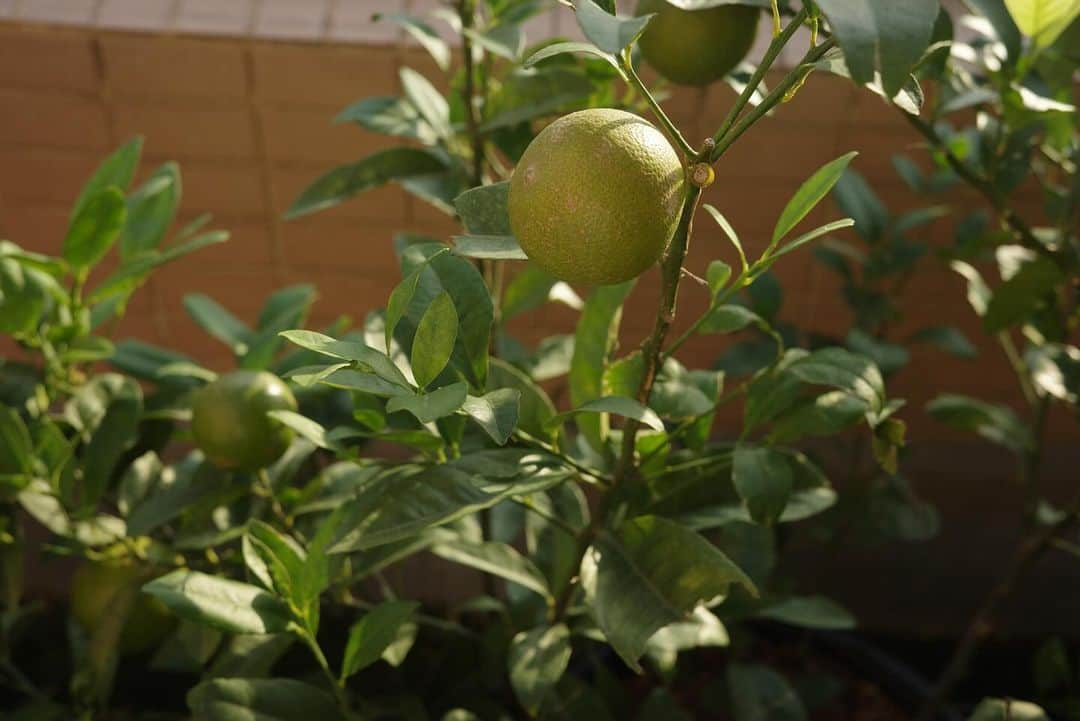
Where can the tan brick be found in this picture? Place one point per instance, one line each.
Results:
(62, 120)
(222, 189)
(329, 245)
(325, 75)
(777, 151)
(311, 136)
(351, 294)
(248, 246)
(189, 132)
(160, 66)
(37, 228)
(385, 204)
(44, 175)
(47, 58)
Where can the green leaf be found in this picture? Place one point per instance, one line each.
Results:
(252, 699)
(483, 209)
(108, 409)
(763, 480)
(606, 31)
(702, 629)
(996, 423)
(503, 39)
(717, 276)
(729, 319)
(537, 660)
(824, 415)
(810, 612)
(226, 605)
(1043, 20)
(372, 635)
(461, 279)
(978, 293)
(389, 116)
(132, 272)
(428, 407)
(95, 228)
(531, 288)
(842, 369)
(349, 351)
(652, 574)
(620, 406)
(1007, 709)
(809, 194)
(428, 101)
(550, 51)
(150, 211)
(729, 231)
(396, 508)
(423, 34)
(760, 694)
(16, 446)
(812, 235)
(908, 98)
(948, 339)
(115, 171)
(1015, 300)
(888, 36)
(856, 199)
(434, 340)
(496, 559)
(535, 408)
(377, 169)
(166, 496)
(489, 247)
(1055, 370)
(594, 339)
(218, 322)
(496, 412)
(527, 95)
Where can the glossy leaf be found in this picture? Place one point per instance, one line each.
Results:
(489, 247)
(251, 699)
(434, 340)
(537, 660)
(650, 575)
(1043, 20)
(374, 633)
(483, 209)
(377, 169)
(810, 612)
(226, 605)
(997, 423)
(150, 211)
(95, 228)
(889, 37)
(428, 101)
(1022, 294)
(423, 34)
(388, 115)
(809, 194)
(618, 405)
(606, 31)
(428, 407)
(763, 480)
(760, 694)
(496, 412)
(496, 559)
(115, 171)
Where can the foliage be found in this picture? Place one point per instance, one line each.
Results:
(615, 534)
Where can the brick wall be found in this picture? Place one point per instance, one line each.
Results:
(249, 122)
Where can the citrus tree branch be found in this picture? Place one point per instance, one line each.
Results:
(773, 51)
(669, 127)
(651, 350)
(774, 98)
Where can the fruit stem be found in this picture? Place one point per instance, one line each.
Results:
(669, 127)
(779, 41)
(778, 95)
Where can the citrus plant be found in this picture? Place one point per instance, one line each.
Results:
(615, 532)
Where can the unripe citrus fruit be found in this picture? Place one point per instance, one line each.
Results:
(95, 589)
(230, 423)
(697, 47)
(595, 197)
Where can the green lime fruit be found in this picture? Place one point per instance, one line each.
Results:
(596, 197)
(230, 423)
(97, 587)
(697, 47)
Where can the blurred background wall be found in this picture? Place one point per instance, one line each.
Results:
(242, 94)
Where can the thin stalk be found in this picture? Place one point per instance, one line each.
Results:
(1030, 550)
(1019, 368)
(775, 48)
(977, 182)
(671, 270)
(553, 520)
(338, 685)
(669, 127)
(774, 98)
(741, 282)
